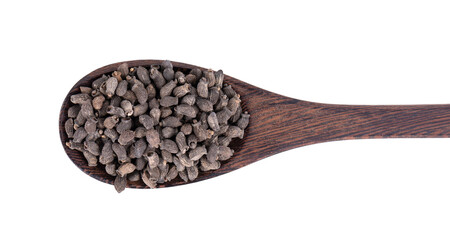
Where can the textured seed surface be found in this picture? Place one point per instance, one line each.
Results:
(156, 123)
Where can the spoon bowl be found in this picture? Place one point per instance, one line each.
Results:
(279, 123)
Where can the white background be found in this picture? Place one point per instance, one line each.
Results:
(347, 52)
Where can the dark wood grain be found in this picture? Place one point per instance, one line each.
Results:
(279, 123)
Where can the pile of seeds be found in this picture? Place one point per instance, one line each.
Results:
(155, 124)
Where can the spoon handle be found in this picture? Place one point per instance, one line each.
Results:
(402, 121)
(280, 123)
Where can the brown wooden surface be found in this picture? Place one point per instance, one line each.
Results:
(279, 123)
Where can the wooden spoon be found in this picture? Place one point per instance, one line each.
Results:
(279, 123)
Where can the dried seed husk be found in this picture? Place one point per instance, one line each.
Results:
(91, 126)
(179, 74)
(213, 153)
(127, 107)
(197, 73)
(141, 163)
(120, 152)
(79, 135)
(68, 126)
(153, 139)
(80, 98)
(234, 132)
(121, 88)
(157, 78)
(163, 170)
(151, 91)
(154, 103)
(99, 81)
(224, 115)
(234, 103)
(111, 169)
(168, 74)
(75, 146)
(115, 101)
(143, 75)
(225, 153)
(181, 142)
(92, 147)
(125, 169)
(185, 160)
(166, 90)
(91, 159)
(86, 90)
(214, 94)
(206, 165)
(204, 105)
(120, 183)
(168, 101)
(172, 174)
(180, 167)
(243, 121)
(107, 155)
(189, 99)
(210, 77)
(186, 129)
(202, 88)
(182, 90)
(103, 111)
(155, 113)
(213, 122)
(154, 172)
(111, 134)
(73, 111)
(118, 111)
(191, 79)
(236, 115)
(140, 132)
(123, 69)
(201, 132)
(171, 121)
(197, 153)
(186, 110)
(183, 175)
(98, 101)
(130, 96)
(224, 141)
(150, 182)
(117, 75)
(222, 103)
(192, 141)
(111, 85)
(87, 110)
(140, 109)
(165, 112)
(166, 156)
(126, 137)
(146, 121)
(140, 92)
(229, 91)
(168, 132)
(110, 122)
(192, 173)
(79, 120)
(139, 147)
(93, 137)
(134, 176)
(219, 78)
(169, 146)
(166, 64)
